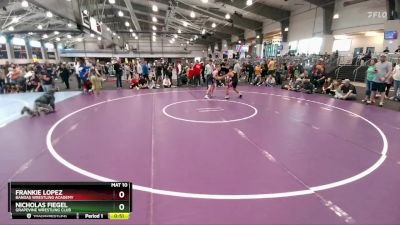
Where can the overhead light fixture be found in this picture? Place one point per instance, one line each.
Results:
(69, 25)
(181, 44)
(213, 25)
(58, 39)
(99, 38)
(56, 32)
(154, 8)
(204, 1)
(249, 2)
(49, 14)
(131, 30)
(69, 36)
(24, 4)
(173, 39)
(127, 24)
(79, 39)
(239, 41)
(15, 20)
(30, 33)
(192, 14)
(120, 13)
(185, 24)
(11, 28)
(336, 16)
(136, 37)
(39, 27)
(187, 42)
(225, 45)
(154, 34)
(111, 1)
(195, 37)
(170, 41)
(258, 37)
(85, 12)
(119, 37)
(154, 19)
(286, 29)
(203, 31)
(179, 31)
(108, 29)
(154, 38)
(133, 35)
(154, 28)
(91, 35)
(191, 39)
(227, 16)
(45, 36)
(114, 34)
(175, 36)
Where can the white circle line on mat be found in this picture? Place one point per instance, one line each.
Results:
(311, 190)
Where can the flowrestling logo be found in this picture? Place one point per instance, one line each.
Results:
(377, 15)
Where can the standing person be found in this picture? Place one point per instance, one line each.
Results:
(47, 81)
(145, 70)
(232, 81)
(237, 68)
(250, 71)
(370, 77)
(179, 73)
(384, 70)
(95, 79)
(159, 69)
(257, 72)
(396, 83)
(211, 82)
(203, 72)
(78, 79)
(127, 70)
(272, 67)
(196, 73)
(139, 68)
(118, 73)
(389, 82)
(65, 73)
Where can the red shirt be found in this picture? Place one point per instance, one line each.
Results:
(197, 70)
(191, 72)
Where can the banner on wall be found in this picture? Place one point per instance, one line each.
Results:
(3, 51)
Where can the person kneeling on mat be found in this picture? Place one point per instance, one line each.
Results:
(346, 91)
(44, 103)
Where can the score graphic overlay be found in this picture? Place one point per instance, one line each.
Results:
(70, 200)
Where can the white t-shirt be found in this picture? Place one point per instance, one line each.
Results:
(237, 68)
(208, 69)
(139, 68)
(396, 73)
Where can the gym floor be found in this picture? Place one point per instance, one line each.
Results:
(272, 157)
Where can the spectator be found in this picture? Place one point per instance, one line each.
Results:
(370, 77)
(135, 82)
(398, 49)
(197, 73)
(386, 50)
(118, 73)
(396, 83)
(384, 70)
(257, 72)
(326, 86)
(47, 81)
(145, 70)
(319, 74)
(65, 73)
(347, 91)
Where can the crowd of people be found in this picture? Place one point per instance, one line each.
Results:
(141, 74)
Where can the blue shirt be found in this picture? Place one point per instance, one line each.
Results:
(145, 70)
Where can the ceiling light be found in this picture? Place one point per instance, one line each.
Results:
(203, 31)
(69, 36)
(108, 29)
(192, 14)
(56, 32)
(258, 37)
(154, 28)
(133, 35)
(85, 12)
(24, 4)
(154, 38)
(69, 25)
(371, 33)
(204, 1)
(154, 19)
(195, 37)
(99, 38)
(91, 35)
(79, 39)
(136, 38)
(286, 29)
(49, 14)
(185, 24)
(179, 31)
(45, 36)
(227, 16)
(181, 44)
(154, 34)
(187, 42)
(120, 13)
(249, 2)
(58, 39)
(39, 27)
(11, 28)
(336, 16)
(225, 45)
(154, 8)
(131, 30)
(175, 36)
(114, 34)
(191, 39)
(173, 39)
(111, 1)
(170, 41)
(15, 20)
(239, 41)
(213, 25)
(127, 24)
(30, 33)
(119, 37)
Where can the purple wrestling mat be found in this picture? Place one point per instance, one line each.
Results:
(272, 157)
